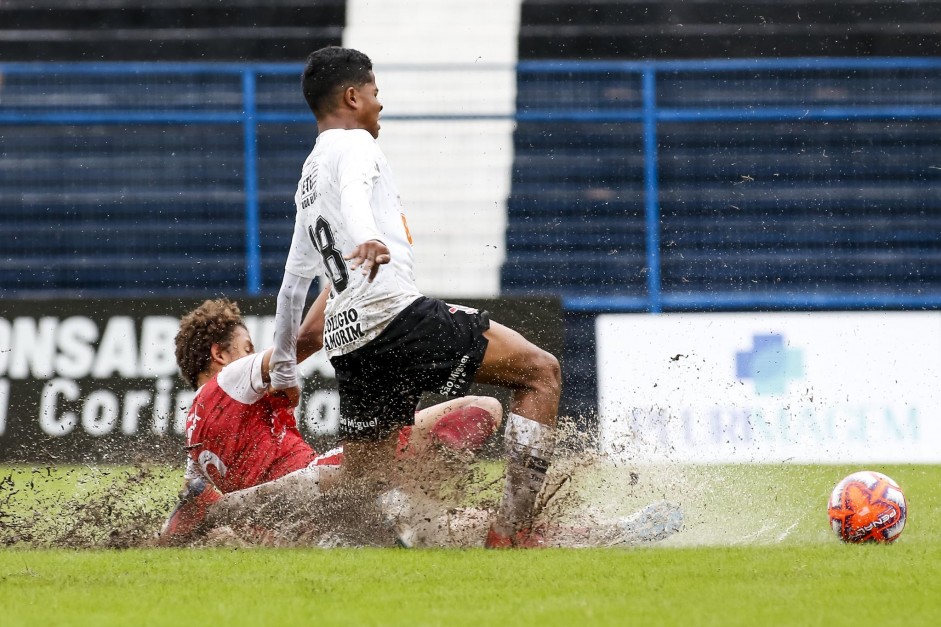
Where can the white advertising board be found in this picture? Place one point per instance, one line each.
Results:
(853, 387)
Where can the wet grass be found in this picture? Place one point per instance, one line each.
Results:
(756, 550)
(824, 584)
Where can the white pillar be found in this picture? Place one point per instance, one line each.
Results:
(447, 57)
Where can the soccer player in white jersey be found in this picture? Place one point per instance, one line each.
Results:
(387, 342)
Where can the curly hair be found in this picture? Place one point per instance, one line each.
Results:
(213, 322)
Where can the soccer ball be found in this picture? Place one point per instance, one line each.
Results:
(867, 506)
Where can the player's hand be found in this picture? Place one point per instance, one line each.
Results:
(369, 255)
(292, 394)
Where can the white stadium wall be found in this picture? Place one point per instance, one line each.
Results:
(771, 387)
(454, 177)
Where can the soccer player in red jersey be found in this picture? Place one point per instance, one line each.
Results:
(240, 437)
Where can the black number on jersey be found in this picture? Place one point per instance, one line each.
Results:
(323, 241)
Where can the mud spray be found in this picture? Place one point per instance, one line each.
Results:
(450, 501)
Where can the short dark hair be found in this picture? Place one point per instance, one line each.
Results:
(330, 69)
(213, 322)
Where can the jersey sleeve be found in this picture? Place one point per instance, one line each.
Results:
(303, 259)
(357, 173)
(242, 380)
(287, 323)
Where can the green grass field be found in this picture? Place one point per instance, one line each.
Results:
(756, 551)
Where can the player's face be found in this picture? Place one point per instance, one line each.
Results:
(240, 345)
(370, 107)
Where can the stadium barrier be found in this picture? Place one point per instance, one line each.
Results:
(95, 381)
(199, 153)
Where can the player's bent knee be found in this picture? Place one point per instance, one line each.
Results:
(548, 373)
(490, 405)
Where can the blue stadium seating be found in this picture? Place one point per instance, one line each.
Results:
(823, 206)
(133, 207)
(145, 30)
(745, 206)
(695, 29)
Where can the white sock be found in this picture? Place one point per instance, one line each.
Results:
(300, 486)
(529, 447)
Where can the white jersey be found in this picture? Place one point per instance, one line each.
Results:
(345, 197)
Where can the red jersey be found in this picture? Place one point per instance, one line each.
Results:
(237, 435)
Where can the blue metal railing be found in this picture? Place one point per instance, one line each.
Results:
(247, 116)
(650, 115)
(644, 110)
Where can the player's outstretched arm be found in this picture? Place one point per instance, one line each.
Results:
(309, 340)
(283, 361)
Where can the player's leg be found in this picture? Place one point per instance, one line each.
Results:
(188, 517)
(201, 506)
(372, 412)
(288, 493)
(535, 378)
(431, 346)
(371, 468)
(460, 424)
(533, 374)
(374, 407)
(370, 459)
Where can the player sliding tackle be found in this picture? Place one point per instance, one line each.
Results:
(244, 449)
(245, 453)
(387, 342)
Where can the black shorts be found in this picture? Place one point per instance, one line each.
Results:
(430, 346)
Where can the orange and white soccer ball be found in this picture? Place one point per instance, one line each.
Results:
(867, 506)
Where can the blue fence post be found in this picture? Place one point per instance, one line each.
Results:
(252, 236)
(651, 190)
